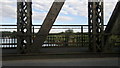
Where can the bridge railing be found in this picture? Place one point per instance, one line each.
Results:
(60, 36)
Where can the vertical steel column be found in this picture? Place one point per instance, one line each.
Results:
(24, 23)
(82, 36)
(95, 21)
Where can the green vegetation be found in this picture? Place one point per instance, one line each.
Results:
(68, 38)
(115, 40)
(8, 34)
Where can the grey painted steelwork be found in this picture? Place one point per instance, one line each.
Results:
(95, 21)
(113, 26)
(47, 25)
(24, 23)
(113, 20)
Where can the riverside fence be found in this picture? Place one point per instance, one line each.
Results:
(59, 36)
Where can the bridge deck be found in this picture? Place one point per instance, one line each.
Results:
(65, 62)
(38, 56)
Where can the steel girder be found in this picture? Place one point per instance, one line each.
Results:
(24, 23)
(47, 25)
(112, 28)
(95, 21)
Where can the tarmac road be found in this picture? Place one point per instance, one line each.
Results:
(64, 62)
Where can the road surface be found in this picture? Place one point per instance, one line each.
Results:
(64, 62)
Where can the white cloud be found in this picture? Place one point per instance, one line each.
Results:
(11, 12)
(44, 8)
(75, 7)
(41, 16)
(65, 18)
(43, 5)
(71, 7)
(109, 7)
(8, 9)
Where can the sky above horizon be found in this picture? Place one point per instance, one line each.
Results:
(74, 12)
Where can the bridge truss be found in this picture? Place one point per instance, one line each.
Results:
(24, 23)
(26, 44)
(95, 21)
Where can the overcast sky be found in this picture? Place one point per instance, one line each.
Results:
(74, 12)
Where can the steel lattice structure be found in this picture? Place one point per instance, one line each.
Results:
(24, 23)
(95, 21)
